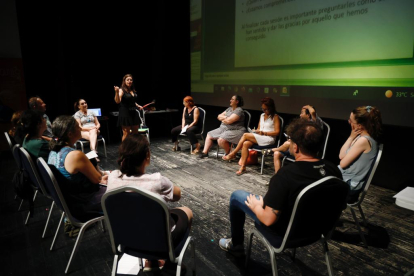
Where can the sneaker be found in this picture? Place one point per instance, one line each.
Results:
(203, 155)
(227, 245)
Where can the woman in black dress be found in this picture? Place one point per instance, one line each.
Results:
(128, 117)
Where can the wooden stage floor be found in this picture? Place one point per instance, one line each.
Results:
(206, 187)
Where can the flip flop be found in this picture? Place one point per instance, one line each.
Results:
(240, 172)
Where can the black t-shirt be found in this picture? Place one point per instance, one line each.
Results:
(290, 180)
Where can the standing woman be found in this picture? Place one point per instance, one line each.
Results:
(360, 149)
(190, 119)
(266, 133)
(126, 96)
(88, 123)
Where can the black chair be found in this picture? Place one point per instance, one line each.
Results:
(35, 179)
(317, 209)
(321, 153)
(17, 158)
(83, 142)
(53, 187)
(139, 225)
(264, 150)
(202, 117)
(247, 118)
(358, 200)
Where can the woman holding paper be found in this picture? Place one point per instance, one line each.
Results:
(81, 177)
(126, 96)
(189, 125)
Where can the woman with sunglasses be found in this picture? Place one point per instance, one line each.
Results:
(265, 134)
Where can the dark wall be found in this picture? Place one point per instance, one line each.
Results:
(73, 51)
(394, 170)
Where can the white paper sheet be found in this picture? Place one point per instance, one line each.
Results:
(184, 130)
(128, 265)
(91, 154)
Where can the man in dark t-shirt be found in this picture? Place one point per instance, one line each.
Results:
(275, 209)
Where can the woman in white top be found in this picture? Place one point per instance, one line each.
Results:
(265, 134)
(88, 122)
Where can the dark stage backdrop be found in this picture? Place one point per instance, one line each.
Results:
(77, 50)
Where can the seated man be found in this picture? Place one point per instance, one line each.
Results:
(307, 112)
(275, 209)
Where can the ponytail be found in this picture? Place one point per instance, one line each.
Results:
(370, 118)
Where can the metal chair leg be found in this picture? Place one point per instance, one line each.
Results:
(20, 206)
(104, 144)
(249, 248)
(115, 265)
(327, 257)
(48, 217)
(261, 169)
(359, 228)
(57, 230)
(28, 214)
(362, 215)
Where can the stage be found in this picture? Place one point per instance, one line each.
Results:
(206, 187)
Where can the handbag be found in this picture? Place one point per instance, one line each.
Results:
(252, 159)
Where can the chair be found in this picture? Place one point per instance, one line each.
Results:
(83, 142)
(139, 225)
(317, 209)
(262, 149)
(33, 175)
(247, 118)
(351, 205)
(9, 141)
(321, 153)
(203, 119)
(17, 158)
(53, 187)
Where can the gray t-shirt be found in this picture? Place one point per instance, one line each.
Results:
(87, 120)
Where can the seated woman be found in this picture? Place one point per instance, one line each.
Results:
(360, 149)
(231, 129)
(134, 157)
(265, 134)
(190, 119)
(32, 126)
(15, 122)
(307, 112)
(81, 186)
(88, 122)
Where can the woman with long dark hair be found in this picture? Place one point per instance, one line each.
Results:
(80, 188)
(360, 149)
(126, 96)
(265, 134)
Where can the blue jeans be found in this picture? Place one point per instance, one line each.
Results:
(238, 210)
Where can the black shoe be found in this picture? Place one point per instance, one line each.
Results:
(227, 245)
(202, 155)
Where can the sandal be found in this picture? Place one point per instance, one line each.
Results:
(196, 151)
(228, 157)
(240, 171)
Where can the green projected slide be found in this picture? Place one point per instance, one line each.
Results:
(336, 52)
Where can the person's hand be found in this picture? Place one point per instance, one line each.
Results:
(252, 201)
(116, 88)
(138, 106)
(355, 131)
(104, 179)
(309, 108)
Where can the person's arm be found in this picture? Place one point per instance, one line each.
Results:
(76, 161)
(312, 111)
(183, 119)
(354, 134)
(46, 138)
(267, 215)
(359, 147)
(276, 128)
(118, 94)
(232, 119)
(196, 115)
(222, 116)
(97, 124)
